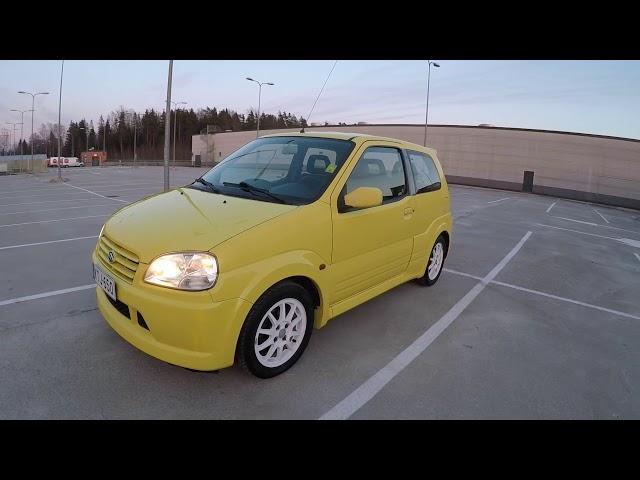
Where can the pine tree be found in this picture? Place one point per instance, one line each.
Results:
(100, 139)
(92, 136)
(106, 135)
(250, 124)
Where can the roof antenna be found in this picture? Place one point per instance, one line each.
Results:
(321, 90)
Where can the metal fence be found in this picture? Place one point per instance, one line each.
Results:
(13, 164)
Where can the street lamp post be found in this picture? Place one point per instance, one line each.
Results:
(33, 101)
(259, 98)
(59, 124)
(426, 119)
(175, 125)
(13, 136)
(15, 128)
(21, 125)
(167, 128)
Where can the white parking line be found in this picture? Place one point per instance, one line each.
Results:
(627, 241)
(94, 193)
(45, 243)
(577, 302)
(579, 221)
(596, 224)
(30, 188)
(365, 392)
(637, 256)
(118, 185)
(551, 206)
(46, 294)
(56, 220)
(577, 231)
(38, 203)
(602, 216)
(56, 209)
(58, 192)
(132, 186)
(500, 200)
(548, 295)
(456, 272)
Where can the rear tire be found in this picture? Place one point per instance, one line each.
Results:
(435, 263)
(276, 330)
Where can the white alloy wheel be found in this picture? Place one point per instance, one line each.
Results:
(435, 262)
(280, 332)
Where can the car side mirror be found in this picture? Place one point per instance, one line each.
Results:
(363, 197)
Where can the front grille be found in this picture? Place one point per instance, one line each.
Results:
(121, 307)
(125, 262)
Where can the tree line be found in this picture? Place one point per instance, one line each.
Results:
(124, 128)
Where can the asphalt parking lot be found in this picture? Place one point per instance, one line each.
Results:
(536, 316)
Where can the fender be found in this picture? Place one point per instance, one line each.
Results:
(251, 281)
(422, 244)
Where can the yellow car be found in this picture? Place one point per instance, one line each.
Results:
(283, 235)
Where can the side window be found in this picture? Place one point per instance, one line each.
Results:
(425, 172)
(379, 167)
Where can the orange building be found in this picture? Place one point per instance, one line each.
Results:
(93, 158)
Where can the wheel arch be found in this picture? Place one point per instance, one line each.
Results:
(447, 239)
(312, 288)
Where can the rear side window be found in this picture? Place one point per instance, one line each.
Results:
(425, 173)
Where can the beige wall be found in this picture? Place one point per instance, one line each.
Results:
(586, 167)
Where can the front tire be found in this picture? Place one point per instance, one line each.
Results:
(276, 330)
(435, 263)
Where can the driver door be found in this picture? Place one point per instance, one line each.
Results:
(371, 245)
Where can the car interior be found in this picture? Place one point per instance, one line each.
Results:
(372, 172)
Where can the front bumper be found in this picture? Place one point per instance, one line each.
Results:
(187, 329)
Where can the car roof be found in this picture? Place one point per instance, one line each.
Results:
(358, 137)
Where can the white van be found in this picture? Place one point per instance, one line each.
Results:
(65, 162)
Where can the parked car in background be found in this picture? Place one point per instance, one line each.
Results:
(288, 232)
(64, 162)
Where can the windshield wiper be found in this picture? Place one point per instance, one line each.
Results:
(209, 185)
(250, 188)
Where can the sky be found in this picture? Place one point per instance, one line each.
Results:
(599, 97)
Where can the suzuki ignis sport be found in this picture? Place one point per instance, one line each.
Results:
(284, 234)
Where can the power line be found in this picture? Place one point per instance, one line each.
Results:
(321, 90)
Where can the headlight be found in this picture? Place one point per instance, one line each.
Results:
(184, 271)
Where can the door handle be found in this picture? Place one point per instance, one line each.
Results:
(408, 211)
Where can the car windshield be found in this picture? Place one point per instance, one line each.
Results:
(293, 170)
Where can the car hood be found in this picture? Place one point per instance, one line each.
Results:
(185, 219)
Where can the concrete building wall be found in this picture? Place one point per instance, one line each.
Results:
(584, 167)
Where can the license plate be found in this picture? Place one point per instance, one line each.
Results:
(104, 281)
